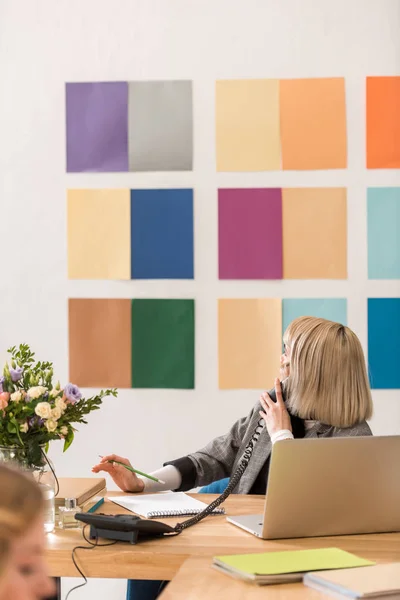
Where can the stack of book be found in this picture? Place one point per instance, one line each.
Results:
(89, 493)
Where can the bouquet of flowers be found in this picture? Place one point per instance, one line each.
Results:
(34, 411)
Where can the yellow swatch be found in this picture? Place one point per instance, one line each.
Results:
(247, 125)
(314, 233)
(249, 342)
(99, 234)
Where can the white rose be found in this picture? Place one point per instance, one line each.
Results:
(51, 425)
(64, 430)
(36, 392)
(56, 413)
(24, 427)
(59, 403)
(16, 396)
(43, 410)
(54, 393)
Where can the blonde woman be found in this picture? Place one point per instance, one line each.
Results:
(23, 572)
(328, 395)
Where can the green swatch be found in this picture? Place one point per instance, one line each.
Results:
(163, 344)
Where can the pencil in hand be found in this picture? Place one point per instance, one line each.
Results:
(129, 468)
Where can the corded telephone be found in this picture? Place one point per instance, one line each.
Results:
(130, 528)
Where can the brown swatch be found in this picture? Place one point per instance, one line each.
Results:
(100, 342)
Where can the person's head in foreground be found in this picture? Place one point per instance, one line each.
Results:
(328, 379)
(23, 571)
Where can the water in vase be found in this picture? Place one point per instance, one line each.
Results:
(49, 507)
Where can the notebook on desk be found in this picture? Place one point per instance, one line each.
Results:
(163, 504)
(379, 581)
(285, 566)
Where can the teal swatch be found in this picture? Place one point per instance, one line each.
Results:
(383, 343)
(333, 309)
(163, 343)
(383, 207)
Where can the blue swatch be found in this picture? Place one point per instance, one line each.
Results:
(333, 309)
(383, 343)
(162, 234)
(383, 207)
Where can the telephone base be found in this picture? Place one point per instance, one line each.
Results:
(112, 534)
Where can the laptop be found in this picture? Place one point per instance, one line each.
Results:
(330, 486)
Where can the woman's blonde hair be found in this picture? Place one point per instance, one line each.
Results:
(328, 379)
(20, 504)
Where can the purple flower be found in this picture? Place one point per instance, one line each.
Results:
(2, 380)
(33, 421)
(27, 399)
(72, 393)
(16, 373)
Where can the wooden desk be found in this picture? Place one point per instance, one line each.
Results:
(162, 558)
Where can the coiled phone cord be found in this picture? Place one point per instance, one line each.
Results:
(234, 480)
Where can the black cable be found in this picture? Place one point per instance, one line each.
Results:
(234, 480)
(92, 545)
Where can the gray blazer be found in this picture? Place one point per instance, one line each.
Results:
(220, 457)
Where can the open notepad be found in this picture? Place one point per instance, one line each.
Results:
(163, 504)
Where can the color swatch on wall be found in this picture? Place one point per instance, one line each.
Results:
(247, 125)
(290, 124)
(383, 212)
(163, 343)
(142, 343)
(249, 339)
(130, 234)
(293, 233)
(250, 233)
(314, 233)
(383, 122)
(129, 126)
(383, 347)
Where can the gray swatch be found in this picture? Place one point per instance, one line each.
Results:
(160, 126)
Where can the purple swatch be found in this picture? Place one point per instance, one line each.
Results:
(97, 126)
(250, 233)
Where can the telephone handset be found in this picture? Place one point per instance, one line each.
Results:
(235, 478)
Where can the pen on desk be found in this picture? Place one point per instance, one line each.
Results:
(117, 462)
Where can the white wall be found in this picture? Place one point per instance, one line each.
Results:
(44, 43)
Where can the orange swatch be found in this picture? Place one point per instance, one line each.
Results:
(313, 124)
(314, 233)
(100, 342)
(383, 122)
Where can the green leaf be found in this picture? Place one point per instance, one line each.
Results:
(68, 440)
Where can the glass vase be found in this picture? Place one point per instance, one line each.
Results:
(35, 461)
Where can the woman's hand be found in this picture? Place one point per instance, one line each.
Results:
(275, 415)
(125, 480)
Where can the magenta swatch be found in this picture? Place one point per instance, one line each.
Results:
(250, 233)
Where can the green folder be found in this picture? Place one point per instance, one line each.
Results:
(276, 567)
